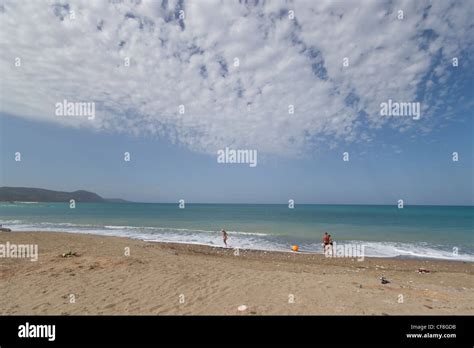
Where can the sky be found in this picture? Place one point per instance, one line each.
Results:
(174, 82)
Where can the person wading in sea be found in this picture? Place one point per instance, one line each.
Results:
(224, 237)
(326, 241)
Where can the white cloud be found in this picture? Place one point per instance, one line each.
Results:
(282, 62)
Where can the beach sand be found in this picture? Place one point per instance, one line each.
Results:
(163, 278)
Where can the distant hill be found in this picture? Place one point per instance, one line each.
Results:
(27, 194)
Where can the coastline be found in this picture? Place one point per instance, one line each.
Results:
(176, 278)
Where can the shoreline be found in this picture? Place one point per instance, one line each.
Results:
(301, 251)
(157, 276)
(202, 247)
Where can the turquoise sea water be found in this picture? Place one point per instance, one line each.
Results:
(414, 231)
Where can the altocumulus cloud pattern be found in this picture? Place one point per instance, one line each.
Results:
(235, 67)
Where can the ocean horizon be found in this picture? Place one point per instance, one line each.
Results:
(415, 231)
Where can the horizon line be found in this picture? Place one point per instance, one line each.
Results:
(227, 203)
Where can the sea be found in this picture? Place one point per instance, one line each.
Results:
(428, 232)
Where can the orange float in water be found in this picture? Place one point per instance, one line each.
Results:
(294, 248)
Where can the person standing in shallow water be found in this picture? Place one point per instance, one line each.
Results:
(326, 239)
(224, 237)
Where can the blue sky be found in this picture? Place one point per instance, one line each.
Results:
(282, 61)
(60, 158)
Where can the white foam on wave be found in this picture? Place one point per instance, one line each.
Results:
(180, 230)
(404, 250)
(420, 250)
(241, 239)
(3, 222)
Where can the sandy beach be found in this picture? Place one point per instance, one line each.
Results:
(175, 279)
